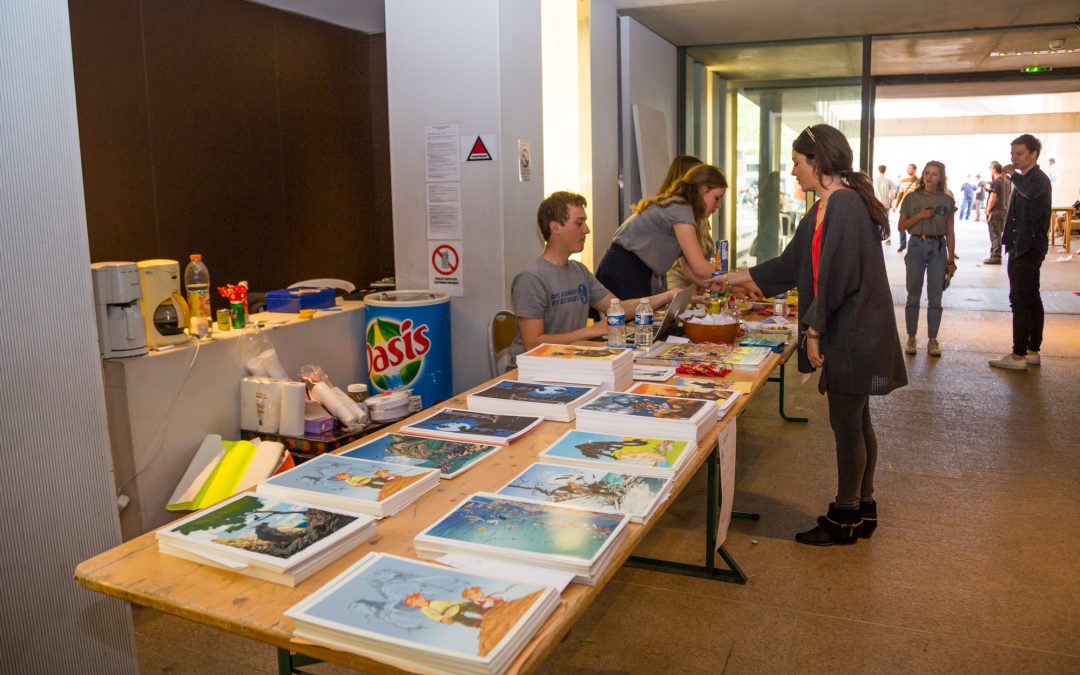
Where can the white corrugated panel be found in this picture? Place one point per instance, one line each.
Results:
(56, 490)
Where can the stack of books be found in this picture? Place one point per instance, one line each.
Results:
(617, 452)
(451, 458)
(602, 367)
(697, 389)
(527, 532)
(376, 488)
(473, 427)
(727, 356)
(550, 401)
(635, 494)
(280, 541)
(671, 417)
(423, 617)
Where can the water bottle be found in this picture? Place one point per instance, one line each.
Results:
(197, 285)
(643, 323)
(779, 307)
(616, 325)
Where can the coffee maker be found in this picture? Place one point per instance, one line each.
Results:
(121, 330)
(164, 310)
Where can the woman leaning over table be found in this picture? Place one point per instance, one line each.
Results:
(927, 215)
(846, 321)
(661, 229)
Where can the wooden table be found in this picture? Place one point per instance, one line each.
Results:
(136, 572)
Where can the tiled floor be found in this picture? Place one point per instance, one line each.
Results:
(975, 567)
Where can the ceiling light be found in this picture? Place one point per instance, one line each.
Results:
(1037, 52)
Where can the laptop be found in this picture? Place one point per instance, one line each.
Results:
(661, 330)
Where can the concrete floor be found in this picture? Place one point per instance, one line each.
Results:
(974, 568)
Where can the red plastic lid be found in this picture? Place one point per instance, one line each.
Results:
(196, 256)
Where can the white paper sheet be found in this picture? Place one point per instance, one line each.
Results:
(538, 575)
(726, 441)
(441, 153)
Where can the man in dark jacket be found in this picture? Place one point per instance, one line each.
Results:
(1026, 243)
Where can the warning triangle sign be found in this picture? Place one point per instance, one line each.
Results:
(479, 152)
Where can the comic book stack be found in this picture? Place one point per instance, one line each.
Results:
(728, 356)
(719, 391)
(551, 401)
(527, 532)
(423, 617)
(280, 541)
(602, 367)
(671, 417)
(360, 485)
(455, 424)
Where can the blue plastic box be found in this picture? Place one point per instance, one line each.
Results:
(296, 299)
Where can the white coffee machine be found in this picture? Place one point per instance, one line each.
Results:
(121, 329)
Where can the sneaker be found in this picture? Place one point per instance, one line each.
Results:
(901, 249)
(910, 347)
(1009, 363)
(992, 261)
(933, 348)
(1033, 358)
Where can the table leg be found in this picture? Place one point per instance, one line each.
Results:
(290, 662)
(781, 379)
(732, 574)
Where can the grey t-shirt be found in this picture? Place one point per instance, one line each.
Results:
(561, 296)
(651, 236)
(938, 224)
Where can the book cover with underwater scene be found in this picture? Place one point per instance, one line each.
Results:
(349, 478)
(424, 606)
(534, 392)
(575, 352)
(449, 457)
(640, 405)
(591, 488)
(457, 421)
(628, 450)
(263, 525)
(529, 527)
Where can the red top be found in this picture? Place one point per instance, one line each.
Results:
(815, 243)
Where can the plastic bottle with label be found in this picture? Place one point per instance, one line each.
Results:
(643, 321)
(780, 305)
(197, 286)
(616, 325)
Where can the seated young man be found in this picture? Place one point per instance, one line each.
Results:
(552, 296)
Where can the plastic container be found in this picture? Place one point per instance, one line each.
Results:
(408, 343)
(643, 326)
(616, 325)
(779, 307)
(295, 299)
(197, 287)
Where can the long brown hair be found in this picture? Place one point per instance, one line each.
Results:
(920, 184)
(831, 155)
(686, 191)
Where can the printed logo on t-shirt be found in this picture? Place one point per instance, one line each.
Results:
(572, 295)
(941, 210)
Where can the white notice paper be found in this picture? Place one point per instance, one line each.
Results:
(441, 152)
(726, 441)
(444, 267)
(444, 210)
(524, 161)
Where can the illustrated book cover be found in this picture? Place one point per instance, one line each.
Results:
(419, 615)
(451, 458)
(466, 425)
(634, 453)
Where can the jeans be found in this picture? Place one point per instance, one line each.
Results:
(995, 224)
(926, 258)
(965, 208)
(980, 205)
(1027, 307)
(903, 238)
(856, 448)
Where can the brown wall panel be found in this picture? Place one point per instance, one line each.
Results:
(237, 131)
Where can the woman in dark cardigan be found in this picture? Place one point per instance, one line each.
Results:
(846, 321)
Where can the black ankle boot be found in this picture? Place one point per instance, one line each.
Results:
(839, 526)
(868, 511)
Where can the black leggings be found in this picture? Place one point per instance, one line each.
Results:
(856, 448)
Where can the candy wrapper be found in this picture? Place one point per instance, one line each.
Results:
(702, 369)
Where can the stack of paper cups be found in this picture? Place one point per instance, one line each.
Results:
(292, 409)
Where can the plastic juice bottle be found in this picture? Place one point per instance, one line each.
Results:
(616, 325)
(197, 285)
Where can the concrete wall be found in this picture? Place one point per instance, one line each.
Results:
(648, 73)
(476, 64)
(56, 492)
